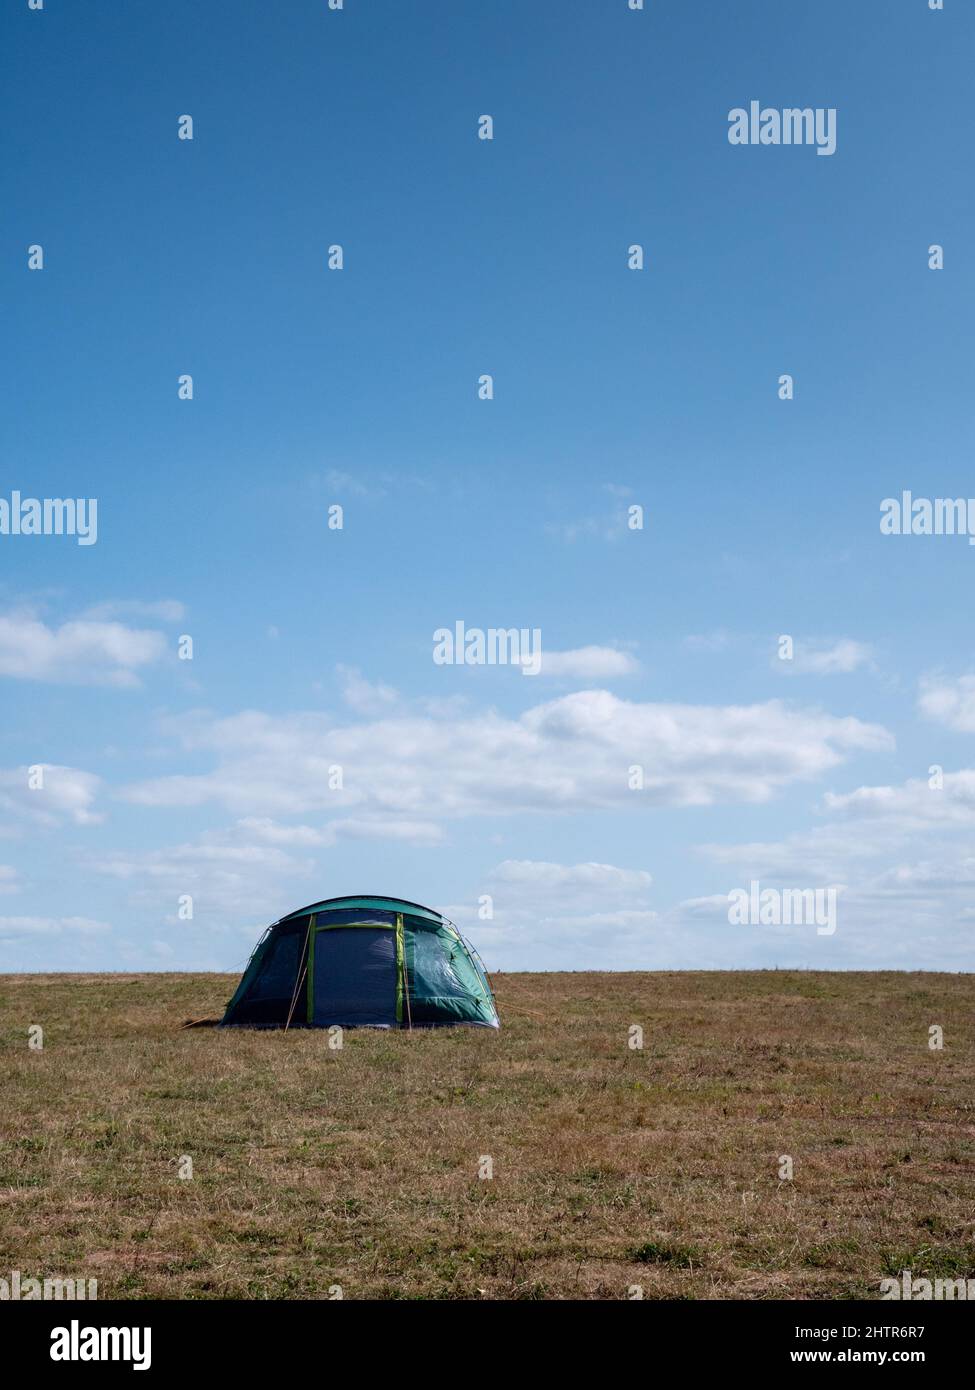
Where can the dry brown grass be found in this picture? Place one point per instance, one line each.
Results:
(612, 1167)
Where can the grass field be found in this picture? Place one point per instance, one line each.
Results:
(612, 1167)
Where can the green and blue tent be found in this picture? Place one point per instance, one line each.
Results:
(362, 962)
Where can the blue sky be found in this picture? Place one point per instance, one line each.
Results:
(659, 388)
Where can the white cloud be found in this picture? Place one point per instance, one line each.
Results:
(868, 826)
(83, 652)
(713, 907)
(823, 856)
(600, 917)
(949, 701)
(376, 828)
(572, 916)
(17, 928)
(905, 855)
(64, 793)
(273, 833)
(568, 754)
(913, 805)
(363, 696)
(589, 663)
(570, 883)
(224, 872)
(411, 832)
(825, 659)
(254, 869)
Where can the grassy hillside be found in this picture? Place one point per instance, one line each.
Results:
(612, 1167)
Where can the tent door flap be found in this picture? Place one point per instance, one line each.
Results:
(355, 977)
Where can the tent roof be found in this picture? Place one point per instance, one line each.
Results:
(378, 904)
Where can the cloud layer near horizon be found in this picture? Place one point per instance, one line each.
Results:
(571, 753)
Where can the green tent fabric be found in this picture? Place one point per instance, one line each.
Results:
(362, 961)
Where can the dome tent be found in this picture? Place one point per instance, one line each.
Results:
(362, 961)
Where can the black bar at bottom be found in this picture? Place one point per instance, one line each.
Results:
(299, 1339)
